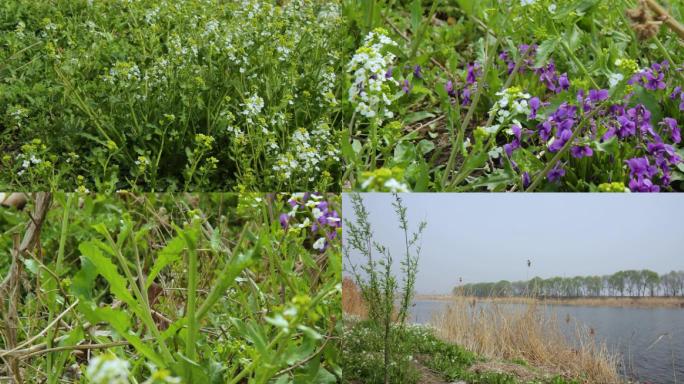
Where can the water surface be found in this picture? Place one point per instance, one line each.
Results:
(649, 340)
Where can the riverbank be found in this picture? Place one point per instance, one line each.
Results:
(421, 356)
(613, 301)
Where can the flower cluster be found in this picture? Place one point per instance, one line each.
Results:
(108, 369)
(371, 69)
(307, 154)
(312, 211)
(473, 72)
(652, 78)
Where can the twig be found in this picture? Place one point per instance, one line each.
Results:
(663, 15)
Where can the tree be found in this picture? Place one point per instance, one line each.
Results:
(651, 280)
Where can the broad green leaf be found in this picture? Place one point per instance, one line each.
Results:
(83, 282)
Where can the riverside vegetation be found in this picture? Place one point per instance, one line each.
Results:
(518, 95)
(381, 347)
(133, 288)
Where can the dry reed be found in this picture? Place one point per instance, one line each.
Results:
(352, 301)
(607, 301)
(529, 333)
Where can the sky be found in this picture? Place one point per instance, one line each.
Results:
(483, 237)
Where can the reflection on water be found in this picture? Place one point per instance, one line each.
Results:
(649, 340)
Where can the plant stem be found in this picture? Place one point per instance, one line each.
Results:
(192, 297)
(474, 103)
(577, 61)
(63, 234)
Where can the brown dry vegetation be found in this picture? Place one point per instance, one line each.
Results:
(613, 301)
(500, 332)
(352, 302)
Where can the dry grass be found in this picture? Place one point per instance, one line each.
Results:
(613, 301)
(352, 302)
(504, 332)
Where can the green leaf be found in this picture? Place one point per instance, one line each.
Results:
(495, 181)
(404, 153)
(425, 146)
(169, 254)
(83, 282)
(417, 116)
(545, 50)
(107, 269)
(609, 146)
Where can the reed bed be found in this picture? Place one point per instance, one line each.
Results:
(352, 302)
(608, 301)
(530, 334)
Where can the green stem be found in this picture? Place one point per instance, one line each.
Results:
(474, 103)
(192, 298)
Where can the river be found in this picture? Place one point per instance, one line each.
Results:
(634, 332)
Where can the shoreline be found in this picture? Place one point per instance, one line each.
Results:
(609, 301)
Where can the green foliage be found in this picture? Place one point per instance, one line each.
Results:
(182, 288)
(161, 95)
(419, 345)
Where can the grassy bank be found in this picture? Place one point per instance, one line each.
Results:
(612, 301)
(423, 357)
(493, 346)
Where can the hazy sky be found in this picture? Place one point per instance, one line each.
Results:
(489, 237)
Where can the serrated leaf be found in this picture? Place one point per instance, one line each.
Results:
(107, 269)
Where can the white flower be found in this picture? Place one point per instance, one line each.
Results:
(614, 79)
(369, 67)
(552, 8)
(525, 3)
(108, 369)
(253, 106)
(393, 185)
(319, 244)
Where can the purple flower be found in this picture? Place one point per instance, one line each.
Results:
(555, 173)
(651, 78)
(526, 179)
(579, 152)
(671, 124)
(563, 82)
(449, 88)
(641, 173)
(406, 87)
(284, 220)
(534, 104)
(465, 95)
(416, 72)
(474, 71)
(388, 74)
(596, 95)
(678, 92)
(643, 185)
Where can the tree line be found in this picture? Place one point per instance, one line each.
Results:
(623, 283)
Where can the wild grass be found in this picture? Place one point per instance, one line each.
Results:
(529, 334)
(133, 288)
